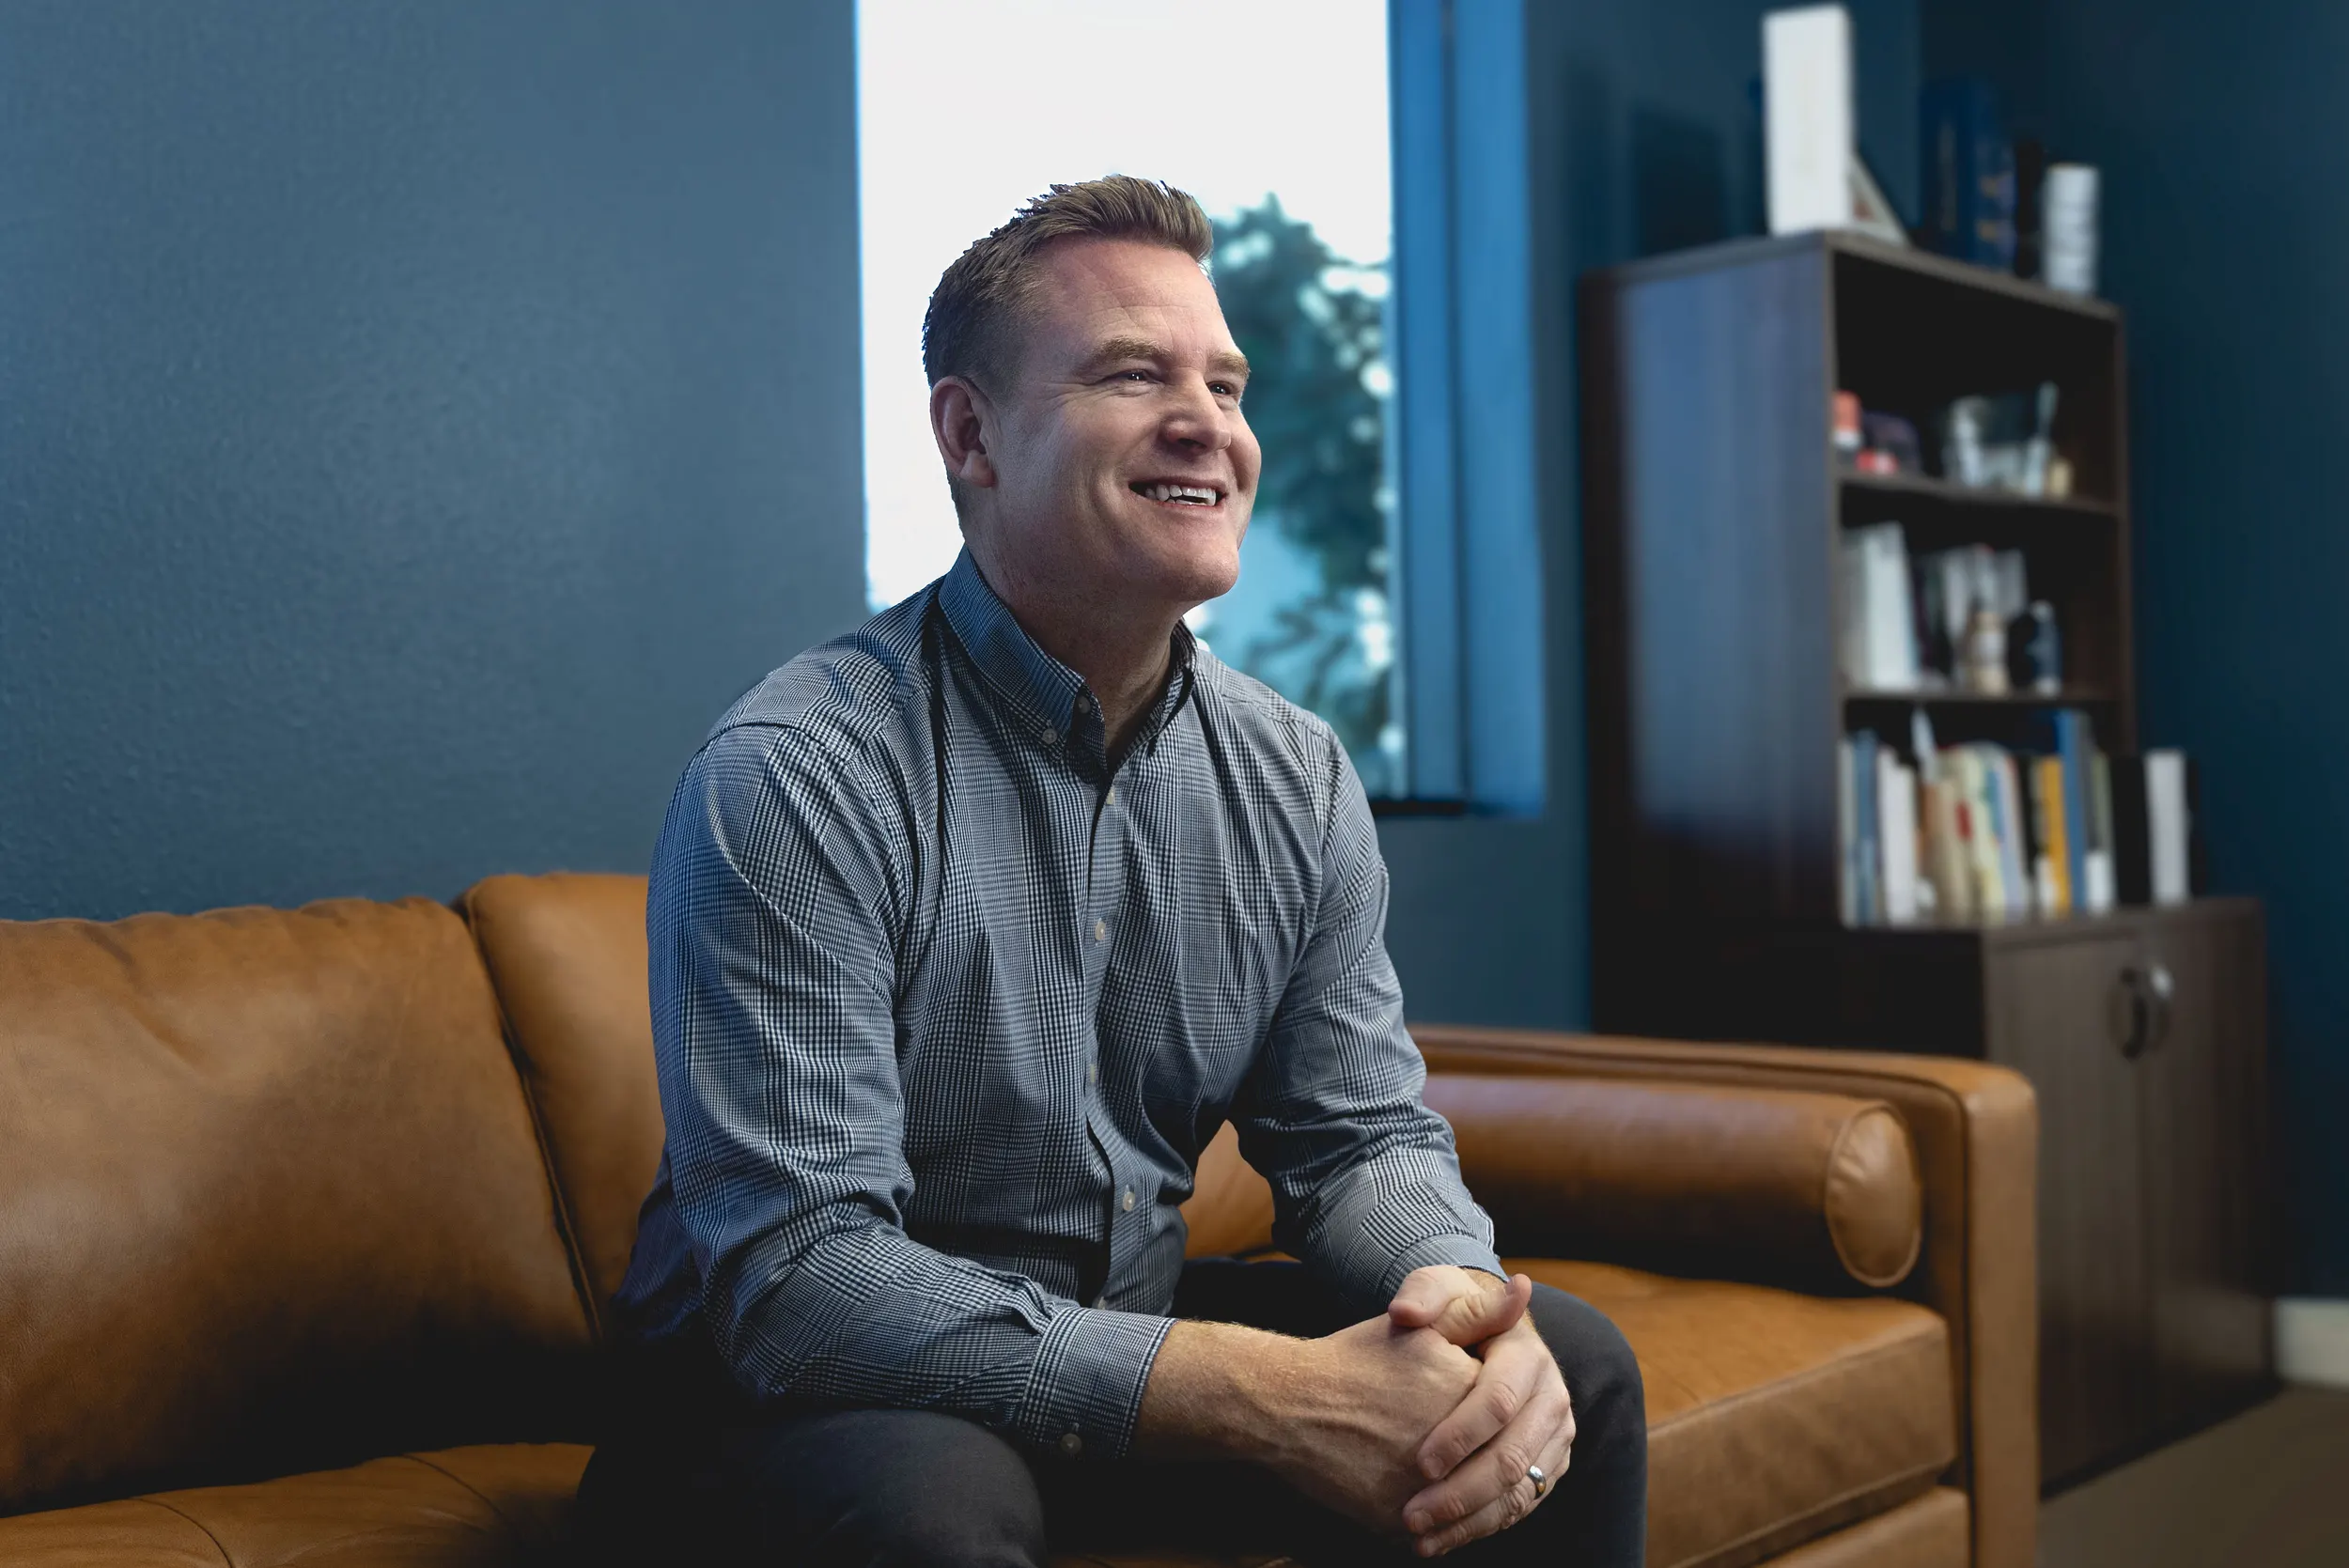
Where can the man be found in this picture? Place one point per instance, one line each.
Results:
(968, 932)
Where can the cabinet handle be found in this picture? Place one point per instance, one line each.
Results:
(2149, 990)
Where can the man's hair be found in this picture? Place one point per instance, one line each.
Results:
(974, 315)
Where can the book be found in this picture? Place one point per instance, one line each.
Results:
(1847, 836)
(1896, 832)
(1878, 636)
(1808, 117)
(1970, 172)
(2167, 828)
(2073, 740)
(1868, 900)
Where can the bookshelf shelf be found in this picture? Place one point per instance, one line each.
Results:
(1716, 518)
(1942, 492)
(2071, 696)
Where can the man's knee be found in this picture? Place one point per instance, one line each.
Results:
(895, 1489)
(1601, 1373)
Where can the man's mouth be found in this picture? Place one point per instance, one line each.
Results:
(1179, 495)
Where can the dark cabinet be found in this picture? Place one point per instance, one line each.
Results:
(2144, 1039)
(1714, 515)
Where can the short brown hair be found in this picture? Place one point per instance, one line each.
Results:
(968, 328)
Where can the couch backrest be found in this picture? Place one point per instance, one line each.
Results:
(270, 1198)
(567, 953)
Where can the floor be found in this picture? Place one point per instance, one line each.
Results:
(2268, 1489)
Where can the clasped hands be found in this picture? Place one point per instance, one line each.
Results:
(1455, 1396)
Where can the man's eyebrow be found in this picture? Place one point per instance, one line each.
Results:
(1110, 350)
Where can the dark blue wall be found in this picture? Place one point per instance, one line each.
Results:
(2223, 135)
(1645, 136)
(419, 420)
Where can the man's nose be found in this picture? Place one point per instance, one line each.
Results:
(1198, 419)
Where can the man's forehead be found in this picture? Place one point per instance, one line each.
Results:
(1107, 297)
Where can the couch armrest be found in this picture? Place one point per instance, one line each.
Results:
(1785, 1186)
(1975, 1127)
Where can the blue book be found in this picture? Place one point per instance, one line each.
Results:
(1970, 172)
(2074, 744)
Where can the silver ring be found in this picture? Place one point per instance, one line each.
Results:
(1541, 1482)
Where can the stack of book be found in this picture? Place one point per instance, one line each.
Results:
(1978, 832)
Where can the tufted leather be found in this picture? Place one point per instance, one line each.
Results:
(1813, 1190)
(268, 1194)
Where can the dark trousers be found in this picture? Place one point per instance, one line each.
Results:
(697, 1479)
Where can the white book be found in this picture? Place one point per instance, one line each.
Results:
(2166, 825)
(1808, 117)
(1896, 831)
(2096, 880)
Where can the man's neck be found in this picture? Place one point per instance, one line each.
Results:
(1122, 652)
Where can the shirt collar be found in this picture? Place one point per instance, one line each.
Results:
(1045, 694)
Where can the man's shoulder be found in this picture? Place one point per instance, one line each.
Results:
(849, 698)
(1262, 718)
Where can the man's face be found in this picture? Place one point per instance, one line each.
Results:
(1123, 465)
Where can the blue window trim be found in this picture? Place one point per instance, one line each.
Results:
(1470, 578)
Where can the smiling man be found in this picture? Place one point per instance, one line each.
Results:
(968, 932)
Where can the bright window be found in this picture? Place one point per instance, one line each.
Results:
(1274, 114)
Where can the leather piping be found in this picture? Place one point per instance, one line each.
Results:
(564, 1227)
(1826, 1194)
(226, 1561)
(487, 1500)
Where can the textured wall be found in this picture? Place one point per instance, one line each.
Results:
(2219, 130)
(420, 419)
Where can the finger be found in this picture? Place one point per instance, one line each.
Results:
(1514, 1502)
(1510, 1378)
(1464, 1317)
(1424, 1295)
(1542, 1431)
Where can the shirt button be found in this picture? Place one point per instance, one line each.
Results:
(1092, 1072)
(1112, 795)
(1051, 736)
(1129, 1200)
(1100, 930)
(1071, 1445)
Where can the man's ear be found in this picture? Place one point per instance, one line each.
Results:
(961, 420)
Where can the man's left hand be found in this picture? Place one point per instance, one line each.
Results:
(1517, 1415)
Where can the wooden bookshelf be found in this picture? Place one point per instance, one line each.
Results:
(1714, 510)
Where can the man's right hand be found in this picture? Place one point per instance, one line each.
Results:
(1340, 1417)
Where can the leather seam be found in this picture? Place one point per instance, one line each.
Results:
(487, 1501)
(1828, 1505)
(226, 1560)
(565, 1227)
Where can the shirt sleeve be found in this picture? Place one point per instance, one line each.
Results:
(780, 893)
(1365, 1180)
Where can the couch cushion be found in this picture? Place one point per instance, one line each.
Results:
(482, 1507)
(269, 1196)
(1772, 1418)
(567, 953)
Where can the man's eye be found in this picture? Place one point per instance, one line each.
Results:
(1133, 375)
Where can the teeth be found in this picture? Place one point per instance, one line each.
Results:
(1196, 494)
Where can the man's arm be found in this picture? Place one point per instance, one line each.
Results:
(1366, 1188)
(776, 903)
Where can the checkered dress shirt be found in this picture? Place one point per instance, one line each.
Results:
(945, 1010)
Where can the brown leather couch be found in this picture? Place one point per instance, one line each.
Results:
(307, 1219)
